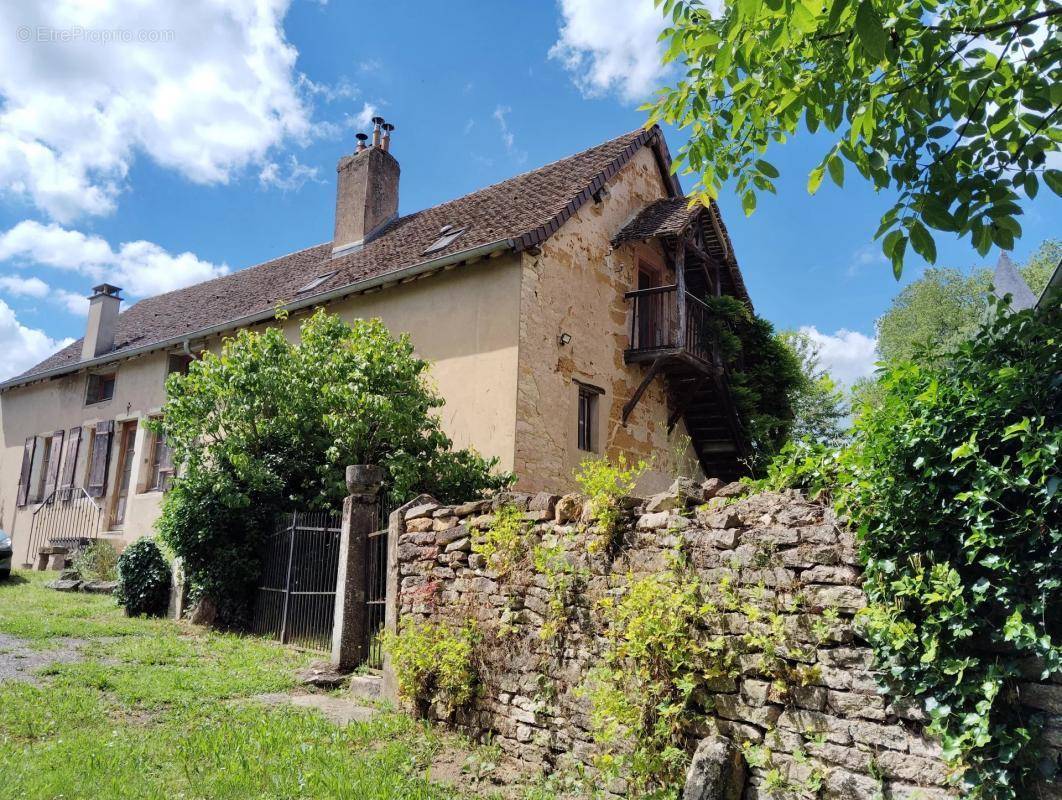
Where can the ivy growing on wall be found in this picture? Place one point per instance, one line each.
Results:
(953, 481)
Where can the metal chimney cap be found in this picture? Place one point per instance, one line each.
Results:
(361, 137)
(388, 127)
(377, 120)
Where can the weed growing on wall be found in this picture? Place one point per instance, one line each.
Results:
(657, 661)
(434, 663)
(504, 543)
(605, 484)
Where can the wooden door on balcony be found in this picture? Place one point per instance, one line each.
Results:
(649, 333)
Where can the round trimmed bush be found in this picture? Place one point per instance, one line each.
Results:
(143, 579)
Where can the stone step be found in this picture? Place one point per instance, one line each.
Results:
(367, 687)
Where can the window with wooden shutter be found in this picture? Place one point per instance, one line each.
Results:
(101, 453)
(73, 450)
(51, 478)
(27, 466)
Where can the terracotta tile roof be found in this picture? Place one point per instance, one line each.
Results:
(667, 217)
(521, 212)
(670, 216)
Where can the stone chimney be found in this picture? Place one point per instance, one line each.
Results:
(102, 319)
(366, 191)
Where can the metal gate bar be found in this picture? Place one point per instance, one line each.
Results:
(375, 596)
(295, 602)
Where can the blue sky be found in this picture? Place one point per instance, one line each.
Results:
(211, 146)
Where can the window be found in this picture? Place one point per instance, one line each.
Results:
(100, 388)
(179, 362)
(161, 464)
(588, 418)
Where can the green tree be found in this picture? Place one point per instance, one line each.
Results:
(955, 106)
(945, 307)
(270, 424)
(819, 406)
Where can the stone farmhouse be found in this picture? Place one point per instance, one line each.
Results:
(562, 309)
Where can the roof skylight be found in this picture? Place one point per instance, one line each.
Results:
(316, 282)
(447, 235)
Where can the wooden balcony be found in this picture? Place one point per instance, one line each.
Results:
(665, 323)
(673, 333)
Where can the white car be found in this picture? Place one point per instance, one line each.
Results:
(5, 555)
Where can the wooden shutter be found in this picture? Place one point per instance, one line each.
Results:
(101, 455)
(55, 456)
(27, 466)
(73, 449)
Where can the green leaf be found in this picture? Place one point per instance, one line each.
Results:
(923, 243)
(836, 167)
(767, 168)
(1053, 179)
(870, 31)
(815, 179)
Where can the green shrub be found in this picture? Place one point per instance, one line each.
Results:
(952, 479)
(504, 543)
(657, 662)
(606, 484)
(434, 663)
(97, 562)
(955, 491)
(143, 579)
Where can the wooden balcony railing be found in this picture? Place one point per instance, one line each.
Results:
(660, 324)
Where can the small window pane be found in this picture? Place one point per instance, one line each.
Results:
(587, 414)
(100, 388)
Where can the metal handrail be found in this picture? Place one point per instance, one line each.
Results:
(67, 517)
(653, 290)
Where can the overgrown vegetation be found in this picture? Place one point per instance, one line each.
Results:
(605, 484)
(143, 579)
(434, 663)
(656, 664)
(765, 375)
(952, 479)
(270, 424)
(97, 562)
(504, 543)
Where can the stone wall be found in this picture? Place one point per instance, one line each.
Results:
(780, 548)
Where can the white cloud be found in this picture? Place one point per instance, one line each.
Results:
(288, 177)
(869, 255)
(141, 268)
(22, 347)
(214, 96)
(846, 355)
(508, 139)
(23, 287)
(363, 119)
(611, 46)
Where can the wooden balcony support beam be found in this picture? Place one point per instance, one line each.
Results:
(651, 373)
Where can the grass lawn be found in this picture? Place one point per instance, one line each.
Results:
(154, 709)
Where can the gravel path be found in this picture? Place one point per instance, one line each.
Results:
(19, 659)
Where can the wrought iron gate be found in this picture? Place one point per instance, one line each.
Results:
(375, 593)
(297, 591)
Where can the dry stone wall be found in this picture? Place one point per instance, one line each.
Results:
(787, 552)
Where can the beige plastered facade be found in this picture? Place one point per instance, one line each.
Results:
(492, 330)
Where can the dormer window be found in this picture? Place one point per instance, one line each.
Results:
(316, 282)
(447, 234)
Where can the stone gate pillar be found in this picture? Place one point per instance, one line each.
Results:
(364, 482)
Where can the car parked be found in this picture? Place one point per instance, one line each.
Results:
(6, 553)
